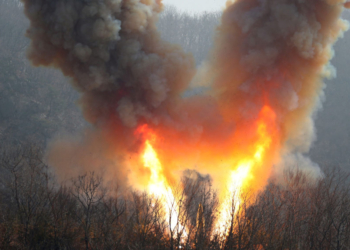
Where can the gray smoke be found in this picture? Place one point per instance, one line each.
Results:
(115, 58)
(112, 51)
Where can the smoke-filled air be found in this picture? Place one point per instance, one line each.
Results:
(262, 84)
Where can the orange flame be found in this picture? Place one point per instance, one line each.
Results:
(158, 185)
(249, 166)
(243, 173)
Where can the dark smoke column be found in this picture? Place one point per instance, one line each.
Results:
(113, 53)
(126, 74)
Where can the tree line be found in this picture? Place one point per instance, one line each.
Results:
(85, 212)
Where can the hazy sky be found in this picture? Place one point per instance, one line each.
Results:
(197, 5)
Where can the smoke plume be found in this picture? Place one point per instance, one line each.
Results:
(276, 52)
(114, 56)
(264, 76)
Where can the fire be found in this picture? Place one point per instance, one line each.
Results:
(242, 174)
(158, 185)
(248, 167)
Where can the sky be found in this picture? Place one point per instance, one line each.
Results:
(196, 6)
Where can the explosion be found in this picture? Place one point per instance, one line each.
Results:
(264, 82)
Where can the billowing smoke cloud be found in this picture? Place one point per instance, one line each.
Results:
(115, 58)
(113, 54)
(276, 52)
(271, 53)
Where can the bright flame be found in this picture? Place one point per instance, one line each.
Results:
(158, 185)
(243, 172)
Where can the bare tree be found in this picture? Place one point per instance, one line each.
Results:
(108, 221)
(88, 191)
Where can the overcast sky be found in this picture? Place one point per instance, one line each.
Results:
(197, 5)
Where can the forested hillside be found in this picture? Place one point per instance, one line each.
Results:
(35, 103)
(86, 212)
